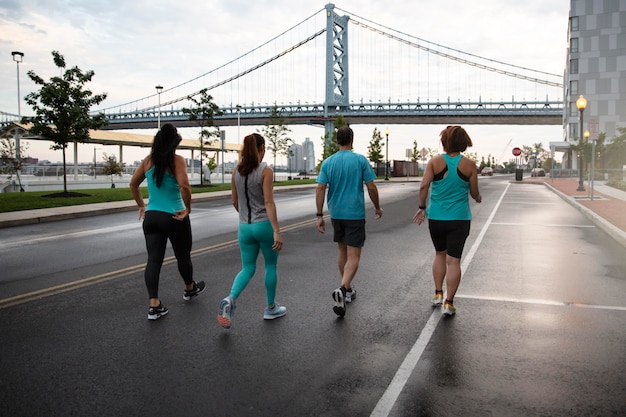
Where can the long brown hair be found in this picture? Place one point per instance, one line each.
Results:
(250, 153)
(163, 150)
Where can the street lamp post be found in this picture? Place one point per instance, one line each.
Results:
(18, 57)
(387, 154)
(95, 164)
(581, 103)
(159, 88)
(593, 160)
(238, 122)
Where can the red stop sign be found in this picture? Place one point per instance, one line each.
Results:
(517, 151)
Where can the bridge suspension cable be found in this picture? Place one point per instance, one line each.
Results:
(458, 59)
(241, 74)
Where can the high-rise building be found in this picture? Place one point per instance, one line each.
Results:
(302, 157)
(309, 152)
(596, 69)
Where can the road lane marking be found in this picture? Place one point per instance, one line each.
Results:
(541, 302)
(391, 394)
(569, 226)
(124, 272)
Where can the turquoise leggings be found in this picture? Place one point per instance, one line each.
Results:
(252, 237)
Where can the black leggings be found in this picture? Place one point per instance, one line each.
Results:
(158, 227)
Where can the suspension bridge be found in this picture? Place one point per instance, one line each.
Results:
(337, 63)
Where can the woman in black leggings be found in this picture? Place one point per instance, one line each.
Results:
(167, 215)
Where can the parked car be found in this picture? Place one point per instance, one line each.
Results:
(537, 172)
(486, 171)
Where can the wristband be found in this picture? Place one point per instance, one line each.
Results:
(422, 207)
(320, 214)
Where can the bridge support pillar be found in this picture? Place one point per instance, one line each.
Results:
(337, 80)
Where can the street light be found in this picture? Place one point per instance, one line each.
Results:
(238, 122)
(95, 163)
(593, 159)
(159, 88)
(581, 103)
(18, 57)
(387, 155)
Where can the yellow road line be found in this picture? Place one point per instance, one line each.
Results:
(124, 272)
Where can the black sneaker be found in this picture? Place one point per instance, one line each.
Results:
(340, 302)
(156, 312)
(197, 289)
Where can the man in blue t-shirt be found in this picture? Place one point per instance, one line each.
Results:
(344, 174)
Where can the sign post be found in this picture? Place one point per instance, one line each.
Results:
(519, 173)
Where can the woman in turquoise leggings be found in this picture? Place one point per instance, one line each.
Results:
(253, 198)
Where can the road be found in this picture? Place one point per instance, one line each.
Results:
(539, 328)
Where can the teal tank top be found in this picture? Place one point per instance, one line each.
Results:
(165, 198)
(449, 196)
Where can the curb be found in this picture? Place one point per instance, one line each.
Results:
(25, 217)
(616, 233)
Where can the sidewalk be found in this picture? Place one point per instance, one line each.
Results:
(607, 210)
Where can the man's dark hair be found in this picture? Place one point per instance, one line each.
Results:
(345, 135)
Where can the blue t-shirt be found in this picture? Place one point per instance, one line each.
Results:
(449, 196)
(165, 198)
(344, 173)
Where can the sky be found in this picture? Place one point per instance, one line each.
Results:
(134, 45)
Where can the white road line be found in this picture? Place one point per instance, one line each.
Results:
(543, 225)
(540, 302)
(387, 401)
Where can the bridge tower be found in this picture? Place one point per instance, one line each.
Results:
(337, 80)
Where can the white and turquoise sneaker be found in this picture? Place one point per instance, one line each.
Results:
(274, 313)
(225, 315)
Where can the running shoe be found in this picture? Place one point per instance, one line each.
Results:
(198, 287)
(350, 295)
(340, 302)
(274, 313)
(225, 315)
(437, 299)
(448, 309)
(156, 312)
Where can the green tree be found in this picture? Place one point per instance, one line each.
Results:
(374, 149)
(329, 144)
(275, 133)
(9, 162)
(415, 153)
(111, 167)
(202, 113)
(211, 165)
(615, 155)
(62, 106)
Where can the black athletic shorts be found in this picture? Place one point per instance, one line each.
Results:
(449, 235)
(349, 232)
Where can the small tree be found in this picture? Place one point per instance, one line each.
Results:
(211, 165)
(111, 167)
(374, 149)
(415, 153)
(9, 162)
(275, 133)
(203, 112)
(616, 150)
(329, 144)
(62, 108)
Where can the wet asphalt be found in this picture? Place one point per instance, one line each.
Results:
(540, 327)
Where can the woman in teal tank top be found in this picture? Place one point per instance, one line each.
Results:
(167, 215)
(449, 179)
